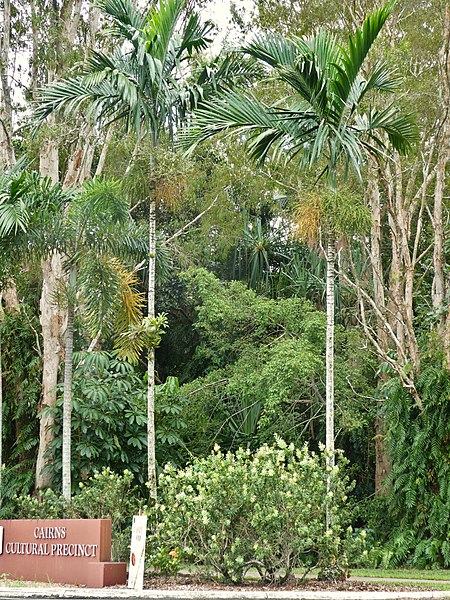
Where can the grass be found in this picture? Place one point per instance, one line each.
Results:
(417, 584)
(8, 581)
(410, 574)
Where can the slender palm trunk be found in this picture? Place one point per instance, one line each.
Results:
(67, 407)
(329, 357)
(151, 352)
(329, 365)
(1, 411)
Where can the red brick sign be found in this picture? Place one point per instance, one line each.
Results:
(76, 551)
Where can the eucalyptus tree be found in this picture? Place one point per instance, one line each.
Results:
(328, 120)
(140, 83)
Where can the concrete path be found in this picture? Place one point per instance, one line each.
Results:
(8, 593)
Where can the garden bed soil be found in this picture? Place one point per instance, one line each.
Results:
(200, 583)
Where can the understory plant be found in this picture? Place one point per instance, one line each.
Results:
(108, 419)
(419, 496)
(264, 510)
(105, 495)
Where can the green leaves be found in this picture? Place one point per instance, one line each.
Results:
(127, 20)
(231, 511)
(323, 119)
(273, 50)
(13, 208)
(140, 86)
(359, 45)
(147, 335)
(419, 499)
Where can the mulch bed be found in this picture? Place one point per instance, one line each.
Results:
(196, 582)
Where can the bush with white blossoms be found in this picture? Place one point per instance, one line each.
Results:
(264, 510)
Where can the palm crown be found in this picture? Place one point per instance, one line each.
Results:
(142, 81)
(323, 117)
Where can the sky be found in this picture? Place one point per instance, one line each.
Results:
(219, 12)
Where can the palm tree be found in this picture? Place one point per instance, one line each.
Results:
(142, 84)
(98, 235)
(326, 120)
(92, 229)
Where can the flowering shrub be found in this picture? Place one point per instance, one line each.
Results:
(265, 510)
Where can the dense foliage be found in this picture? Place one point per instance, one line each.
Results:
(419, 494)
(266, 510)
(104, 495)
(240, 282)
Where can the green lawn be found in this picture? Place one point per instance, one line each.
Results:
(417, 584)
(438, 574)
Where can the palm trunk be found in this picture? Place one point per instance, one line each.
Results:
(67, 407)
(151, 352)
(329, 357)
(1, 411)
(329, 366)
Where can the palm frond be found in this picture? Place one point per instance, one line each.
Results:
(130, 309)
(229, 112)
(160, 28)
(380, 79)
(67, 96)
(308, 82)
(137, 337)
(401, 129)
(325, 48)
(353, 57)
(273, 50)
(195, 36)
(99, 203)
(13, 216)
(127, 19)
(100, 284)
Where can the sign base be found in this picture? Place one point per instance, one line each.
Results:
(73, 551)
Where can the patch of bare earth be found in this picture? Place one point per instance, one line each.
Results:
(196, 582)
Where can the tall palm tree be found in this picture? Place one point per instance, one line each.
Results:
(141, 83)
(327, 119)
(96, 236)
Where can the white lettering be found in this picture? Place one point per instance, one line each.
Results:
(54, 549)
(50, 533)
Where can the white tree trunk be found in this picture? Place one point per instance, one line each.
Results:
(104, 152)
(49, 161)
(7, 157)
(67, 407)
(151, 354)
(329, 357)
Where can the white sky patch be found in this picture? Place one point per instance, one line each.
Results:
(219, 11)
